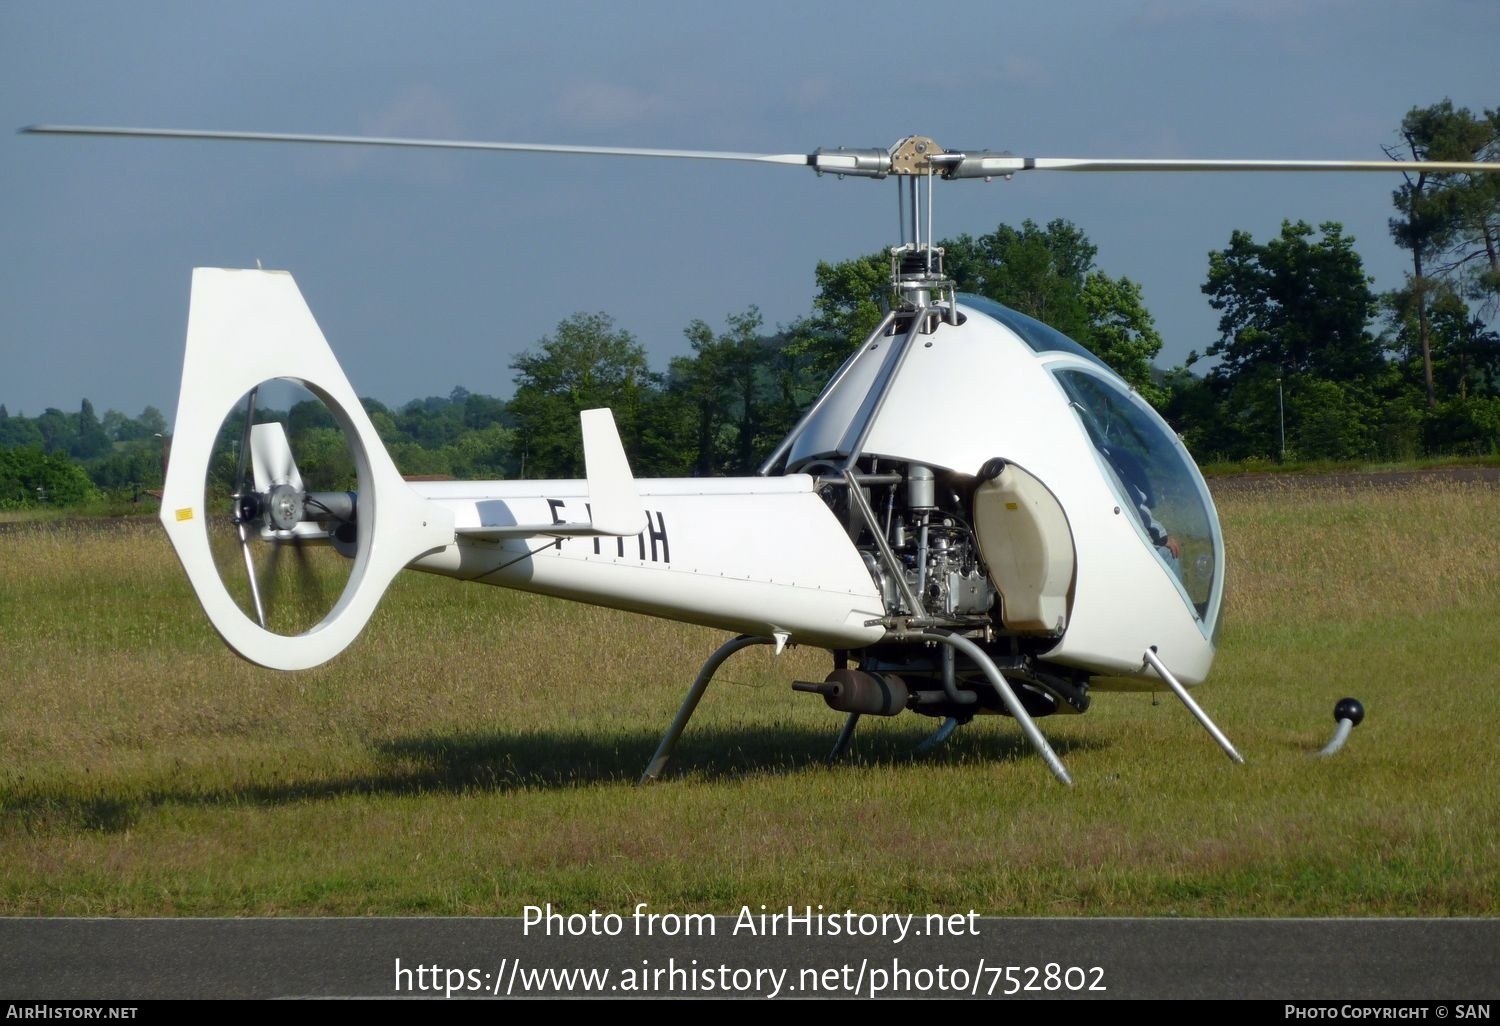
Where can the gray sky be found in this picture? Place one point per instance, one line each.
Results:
(430, 270)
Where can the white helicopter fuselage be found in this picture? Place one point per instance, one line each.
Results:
(1023, 497)
(973, 502)
(760, 555)
(767, 556)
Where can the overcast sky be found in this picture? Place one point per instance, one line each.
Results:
(430, 270)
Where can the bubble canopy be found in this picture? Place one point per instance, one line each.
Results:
(1154, 478)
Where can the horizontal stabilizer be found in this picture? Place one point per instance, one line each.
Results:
(615, 508)
(500, 532)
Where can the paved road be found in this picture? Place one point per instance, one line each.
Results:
(1339, 960)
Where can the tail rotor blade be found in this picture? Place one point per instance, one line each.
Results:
(272, 577)
(309, 583)
(260, 610)
(271, 458)
(240, 481)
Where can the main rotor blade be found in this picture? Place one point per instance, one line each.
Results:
(796, 159)
(984, 165)
(870, 163)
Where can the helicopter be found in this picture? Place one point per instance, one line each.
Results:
(975, 516)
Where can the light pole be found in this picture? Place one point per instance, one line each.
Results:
(1281, 411)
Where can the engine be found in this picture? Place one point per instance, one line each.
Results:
(923, 524)
(911, 526)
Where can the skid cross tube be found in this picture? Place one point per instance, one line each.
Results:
(1193, 707)
(690, 703)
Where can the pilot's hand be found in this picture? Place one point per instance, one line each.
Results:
(1174, 547)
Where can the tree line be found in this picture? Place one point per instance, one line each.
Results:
(1310, 362)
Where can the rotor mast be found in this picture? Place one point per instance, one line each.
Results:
(917, 278)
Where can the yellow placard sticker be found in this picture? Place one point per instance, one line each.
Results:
(1008, 505)
(186, 513)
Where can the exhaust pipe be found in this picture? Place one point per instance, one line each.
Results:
(856, 691)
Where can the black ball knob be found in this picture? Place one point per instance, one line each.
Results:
(1349, 709)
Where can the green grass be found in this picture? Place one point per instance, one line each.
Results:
(477, 749)
(1237, 468)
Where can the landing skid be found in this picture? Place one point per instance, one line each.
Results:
(723, 652)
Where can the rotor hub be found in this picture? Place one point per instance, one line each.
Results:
(913, 156)
(284, 507)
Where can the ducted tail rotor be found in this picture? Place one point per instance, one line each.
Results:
(236, 498)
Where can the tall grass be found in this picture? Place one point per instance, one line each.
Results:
(476, 750)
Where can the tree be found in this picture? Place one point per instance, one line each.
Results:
(852, 297)
(19, 431)
(1294, 342)
(1036, 271)
(1460, 357)
(1449, 223)
(480, 453)
(150, 423)
(482, 411)
(59, 431)
(1297, 304)
(30, 477)
(324, 459)
(308, 415)
(91, 441)
(725, 385)
(1047, 273)
(1121, 332)
(587, 363)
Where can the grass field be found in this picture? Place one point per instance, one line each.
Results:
(476, 750)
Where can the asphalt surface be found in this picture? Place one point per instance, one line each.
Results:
(1322, 959)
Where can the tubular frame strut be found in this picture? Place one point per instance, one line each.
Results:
(828, 390)
(1339, 737)
(690, 703)
(1008, 696)
(1013, 704)
(937, 737)
(846, 735)
(1165, 674)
